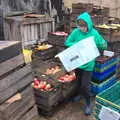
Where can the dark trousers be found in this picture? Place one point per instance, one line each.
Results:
(84, 84)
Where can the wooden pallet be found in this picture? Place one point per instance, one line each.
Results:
(11, 64)
(14, 77)
(30, 114)
(9, 49)
(16, 110)
(10, 91)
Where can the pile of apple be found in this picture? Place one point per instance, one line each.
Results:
(67, 78)
(53, 70)
(42, 85)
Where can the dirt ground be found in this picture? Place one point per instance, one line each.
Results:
(70, 111)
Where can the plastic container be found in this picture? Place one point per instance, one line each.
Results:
(108, 99)
(101, 76)
(105, 67)
(27, 55)
(107, 63)
(48, 98)
(97, 88)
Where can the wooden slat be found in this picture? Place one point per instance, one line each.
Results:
(9, 108)
(14, 77)
(11, 64)
(24, 108)
(32, 32)
(15, 110)
(36, 32)
(32, 113)
(6, 44)
(9, 49)
(6, 94)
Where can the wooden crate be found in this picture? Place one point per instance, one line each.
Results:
(28, 30)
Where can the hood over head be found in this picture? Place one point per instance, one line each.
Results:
(86, 18)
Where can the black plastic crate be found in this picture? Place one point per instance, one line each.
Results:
(45, 54)
(69, 89)
(57, 40)
(48, 98)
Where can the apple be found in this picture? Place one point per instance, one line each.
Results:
(61, 78)
(36, 86)
(57, 67)
(32, 84)
(36, 81)
(66, 78)
(42, 84)
(66, 75)
(48, 86)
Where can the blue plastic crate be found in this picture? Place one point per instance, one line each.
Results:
(99, 70)
(101, 76)
(107, 63)
(97, 88)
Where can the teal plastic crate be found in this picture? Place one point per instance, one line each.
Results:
(110, 97)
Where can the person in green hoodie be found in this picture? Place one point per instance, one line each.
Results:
(84, 30)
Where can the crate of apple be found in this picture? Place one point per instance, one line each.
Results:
(53, 70)
(67, 78)
(41, 85)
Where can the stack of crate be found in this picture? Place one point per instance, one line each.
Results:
(110, 32)
(98, 15)
(77, 9)
(44, 60)
(16, 96)
(104, 74)
(109, 101)
(115, 47)
(57, 39)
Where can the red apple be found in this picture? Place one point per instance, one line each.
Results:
(48, 86)
(61, 78)
(36, 81)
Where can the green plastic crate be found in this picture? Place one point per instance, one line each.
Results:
(110, 97)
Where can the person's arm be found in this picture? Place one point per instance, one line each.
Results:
(70, 39)
(100, 42)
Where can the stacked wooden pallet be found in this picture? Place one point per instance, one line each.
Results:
(98, 15)
(16, 97)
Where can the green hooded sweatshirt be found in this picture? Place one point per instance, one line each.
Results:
(78, 35)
